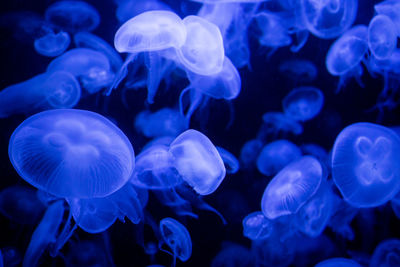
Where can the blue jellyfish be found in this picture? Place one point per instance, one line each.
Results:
(57, 89)
(72, 153)
(177, 237)
(95, 254)
(11, 256)
(292, 187)
(73, 16)
(387, 253)
(230, 161)
(303, 103)
(328, 18)
(164, 122)
(198, 161)
(298, 70)
(52, 44)
(233, 254)
(343, 262)
(382, 37)
(249, 153)
(277, 123)
(364, 164)
(276, 155)
(341, 218)
(91, 67)
(256, 226)
(390, 8)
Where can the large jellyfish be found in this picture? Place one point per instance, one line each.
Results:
(73, 16)
(72, 153)
(52, 44)
(58, 89)
(292, 187)
(365, 164)
(382, 36)
(387, 253)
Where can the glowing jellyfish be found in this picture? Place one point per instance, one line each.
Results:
(91, 67)
(203, 50)
(303, 103)
(52, 44)
(328, 18)
(387, 253)
(276, 123)
(256, 226)
(230, 161)
(249, 153)
(382, 36)
(164, 122)
(72, 153)
(198, 161)
(73, 16)
(177, 237)
(299, 70)
(333, 262)
(57, 89)
(391, 9)
(364, 164)
(292, 187)
(276, 155)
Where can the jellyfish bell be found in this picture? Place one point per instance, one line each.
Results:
(332, 262)
(52, 44)
(390, 8)
(386, 253)
(72, 153)
(364, 164)
(382, 36)
(256, 226)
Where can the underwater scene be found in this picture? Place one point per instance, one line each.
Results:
(222, 133)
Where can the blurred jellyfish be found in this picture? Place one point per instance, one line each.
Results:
(20, 204)
(341, 218)
(198, 161)
(395, 203)
(128, 9)
(333, 262)
(52, 44)
(292, 187)
(177, 237)
(364, 164)
(256, 226)
(382, 36)
(91, 67)
(73, 16)
(230, 161)
(276, 155)
(391, 9)
(233, 254)
(387, 253)
(276, 123)
(82, 153)
(249, 153)
(58, 89)
(303, 103)
(164, 122)
(94, 254)
(328, 18)
(298, 70)
(11, 256)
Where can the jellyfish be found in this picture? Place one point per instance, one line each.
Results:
(256, 226)
(164, 122)
(94, 254)
(177, 237)
(230, 161)
(292, 187)
(52, 44)
(345, 54)
(390, 8)
(198, 161)
(341, 218)
(276, 155)
(328, 19)
(203, 50)
(233, 254)
(11, 256)
(72, 153)
(364, 164)
(387, 253)
(277, 123)
(73, 16)
(91, 67)
(58, 89)
(20, 204)
(249, 153)
(298, 70)
(333, 262)
(382, 36)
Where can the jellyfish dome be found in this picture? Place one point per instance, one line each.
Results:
(365, 164)
(150, 31)
(390, 8)
(382, 37)
(198, 161)
(334, 262)
(292, 187)
(303, 103)
(256, 226)
(52, 45)
(386, 254)
(71, 153)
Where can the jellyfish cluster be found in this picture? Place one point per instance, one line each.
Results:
(220, 133)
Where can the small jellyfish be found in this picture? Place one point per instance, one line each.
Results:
(230, 161)
(303, 103)
(328, 19)
(203, 50)
(364, 164)
(72, 153)
(256, 226)
(276, 123)
(58, 89)
(177, 237)
(334, 262)
(298, 70)
(276, 155)
(52, 44)
(198, 161)
(292, 187)
(391, 9)
(249, 153)
(382, 36)
(73, 16)
(386, 254)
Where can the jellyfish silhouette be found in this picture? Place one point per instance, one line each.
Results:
(58, 89)
(292, 187)
(276, 124)
(386, 253)
(382, 36)
(298, 70)
(249, 153)
(332, 262)
(364, 164)
(390, 8)
(52, 44)
(256, 226)
(230, 161)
